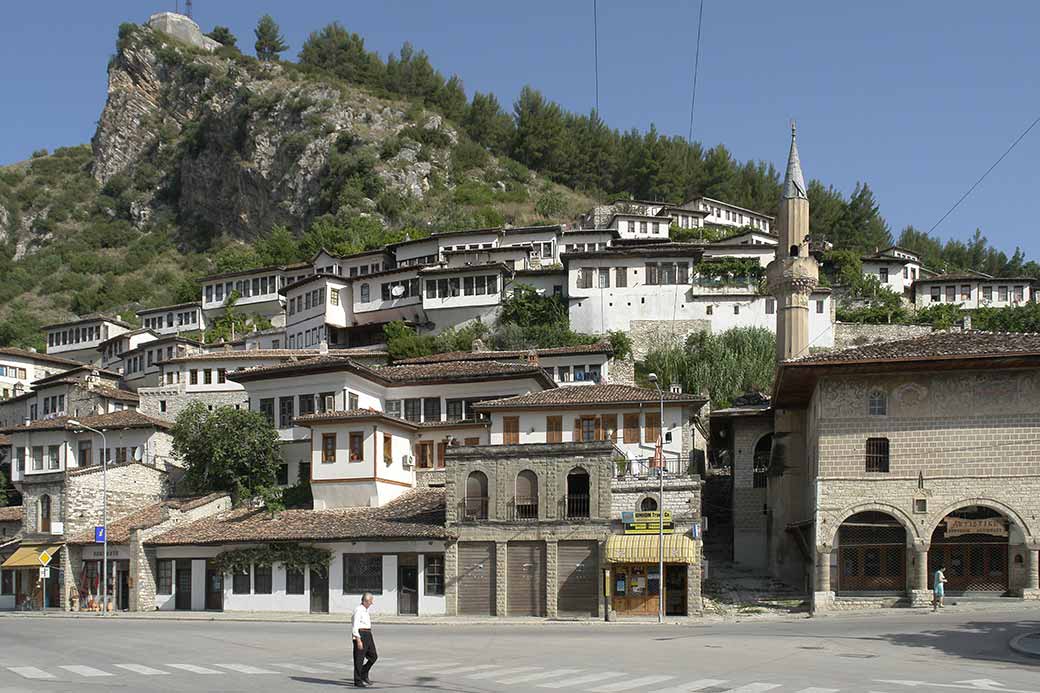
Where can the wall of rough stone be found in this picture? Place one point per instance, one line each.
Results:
(848, 334)
(33, 488)
(622, 371)
(131, 487)
(176, 399)
(749, 521)
(651, 334)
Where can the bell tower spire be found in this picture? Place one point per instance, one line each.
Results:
(794, 274)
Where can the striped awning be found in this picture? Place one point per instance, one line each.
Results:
(643, 548)
(29, 556)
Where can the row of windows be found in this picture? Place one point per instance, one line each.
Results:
(593, 427)
(12, 372)
(736, 217)
(470, 286)
(184, 319)
(90, 333)
(525, 495)
(50, 456)
(53, 404)
(356, 271)
(584, 247)
(311, 299)
(207, 375)
(307, 338)
(577, 374)
(591, 277)
(965, 293)
(257, 286)
(307, 404)
(652, 227)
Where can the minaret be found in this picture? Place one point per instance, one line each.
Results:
(793, 275)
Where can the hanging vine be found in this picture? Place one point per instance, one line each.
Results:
(293, 556)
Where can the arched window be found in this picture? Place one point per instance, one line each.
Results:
(578, 493)
(45, 514)
(760, 461)
(476, 503)
(648, 505)
(365, 293)
(877, 403)
(525, 501)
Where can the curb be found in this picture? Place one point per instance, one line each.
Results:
(346, 620)
(1029, 651)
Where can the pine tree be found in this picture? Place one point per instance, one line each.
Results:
(222, 34)
(269, 40)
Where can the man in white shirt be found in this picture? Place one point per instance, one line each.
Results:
(364, 646)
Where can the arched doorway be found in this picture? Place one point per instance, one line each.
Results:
(971, 545)
(871, 548)
(578, 493)
(45, 514)
(760, 461)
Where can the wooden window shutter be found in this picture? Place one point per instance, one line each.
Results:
(631, 422)
(554, 429)
(577, 430)
(442, 449)
(599, 428)
(511, 430)
(610, 427)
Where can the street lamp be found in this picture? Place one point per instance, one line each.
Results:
(104, 511)
(660, 504)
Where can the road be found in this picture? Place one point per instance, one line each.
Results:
(890, 652)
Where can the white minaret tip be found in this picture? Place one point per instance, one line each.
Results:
(794, 182)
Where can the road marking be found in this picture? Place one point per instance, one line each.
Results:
(539, 677)
(194, 668)
(142, 669)
(83, 671)
(755, 688)
(464, 670)
(302, 667)
(818, 690)
(245, 669)
(631, 683)
(31, 672)
(502, 672)
(967, 685)
(698, 685)
(588, 678)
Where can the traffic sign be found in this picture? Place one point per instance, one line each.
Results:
(45, 557)
(45, 572)
(99, 534)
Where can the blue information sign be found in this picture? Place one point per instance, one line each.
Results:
(99, 535)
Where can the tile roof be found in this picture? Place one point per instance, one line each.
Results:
(119, 529)
(4, 441)
(598, 348)
(115, 420)
(90, 317)
(667, 249)
(176, 306)
(584, 395)
(972, 276)
(351, 415)
(418, 514)
(937, 345)
(11, 513)
(284, 354)
(116, 393)
(76, 375)
(38, 356)
(255, 270)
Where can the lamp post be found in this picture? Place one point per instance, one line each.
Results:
(660, 503)
(104, 511)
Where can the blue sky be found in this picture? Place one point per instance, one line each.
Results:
(917, 99)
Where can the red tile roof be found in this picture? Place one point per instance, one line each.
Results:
(284, 354)
(599, 348)
(38, 356)
(418, 514)
(119, 529)
(104, 422)
(937, 345)
(586, 395)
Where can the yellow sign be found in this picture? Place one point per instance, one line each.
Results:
(647, 522)
(45, 557)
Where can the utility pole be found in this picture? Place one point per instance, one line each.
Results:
(659, 453)
(104, 511)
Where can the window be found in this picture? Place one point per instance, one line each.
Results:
(819, 307)
(281, 475)
(951, 294)
(424, 454)
(352, 400)
(653, 427)
(604, 279)
(221, 375)
(285, 412)
(1002, 293)
(19, 459)
(877, 455)
(586, 429)
(883, 275)
(554, 429)
(648, 505)
(394, 408)
(585, 278)
(413, 410)
(306, 404)
(434, 570)
(207, 376)
(388, 449)
(651, 274)
(240, 582)
(164, 576)
(525, 495)
(877, 404)
(631, 428)
(987, 293)
(467, 286)
(432, 409)
(1019, 293)
(366, 293)
(267, 409)
(293, 581)
(328, 448)
(193, 376)
(53, 460)
(563, 374)
(84, 454)
(770, 306)
(620, 277)
(362, 573)
(357, 446)
(261, 579)
(736, 309)
(935, 294)
(511, 430)
(965, 292)
(431, 288)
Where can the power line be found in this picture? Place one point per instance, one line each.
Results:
(995, 163)
(696, 68)
(595, 41)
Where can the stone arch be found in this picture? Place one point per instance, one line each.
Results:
(526, 494)
(579, 491)
(913, 536)
(1012, 515)
(644, 501)
(761, 457)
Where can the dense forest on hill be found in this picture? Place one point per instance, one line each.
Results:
(70, 243)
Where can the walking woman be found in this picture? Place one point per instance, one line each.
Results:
(938, 589)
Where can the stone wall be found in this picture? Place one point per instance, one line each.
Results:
(622, 371)
(749, 521)
(176, 399)
(847, 334)
(33, 488)
(131, 487)
(682, 497)
(651, 334)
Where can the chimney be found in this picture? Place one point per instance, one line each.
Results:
(478, 346)
(532, 358)
(966, 322)
(323, 348)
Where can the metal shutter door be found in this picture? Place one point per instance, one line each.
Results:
(578, 566)
(525, 595)
(476, 578)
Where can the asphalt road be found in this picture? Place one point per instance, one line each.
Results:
(890, 652)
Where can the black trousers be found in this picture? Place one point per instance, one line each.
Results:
(364, 657)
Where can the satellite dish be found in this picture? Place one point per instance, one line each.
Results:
(137, 454)
(397, 291)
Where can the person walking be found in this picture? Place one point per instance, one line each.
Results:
(364, 646)
(938, 588)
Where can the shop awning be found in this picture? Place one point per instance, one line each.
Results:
(643, 548)
(29, 556)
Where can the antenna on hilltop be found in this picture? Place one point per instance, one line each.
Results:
(187, 8)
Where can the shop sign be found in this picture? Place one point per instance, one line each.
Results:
(647, 522)
(116, 552)
(959, 526)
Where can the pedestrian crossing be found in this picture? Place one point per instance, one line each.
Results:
(400, 672)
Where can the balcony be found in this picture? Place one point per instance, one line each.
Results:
(650, 467)
(525, 508)
(577, 506)
(473, 509)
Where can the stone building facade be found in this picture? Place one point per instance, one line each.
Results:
(167, 401)
(497, 522)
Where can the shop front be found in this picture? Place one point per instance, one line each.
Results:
(634, 575)
(91, 574)
(34, 576)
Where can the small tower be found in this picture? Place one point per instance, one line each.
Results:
(794, 274)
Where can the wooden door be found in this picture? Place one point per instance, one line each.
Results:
(408, 585)
(182, 590)
(442, 450)
(578, 566)
(525, 593)
(214, 588)
(511, 430)
(425, 457)
(476, 584)
(319, 591)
